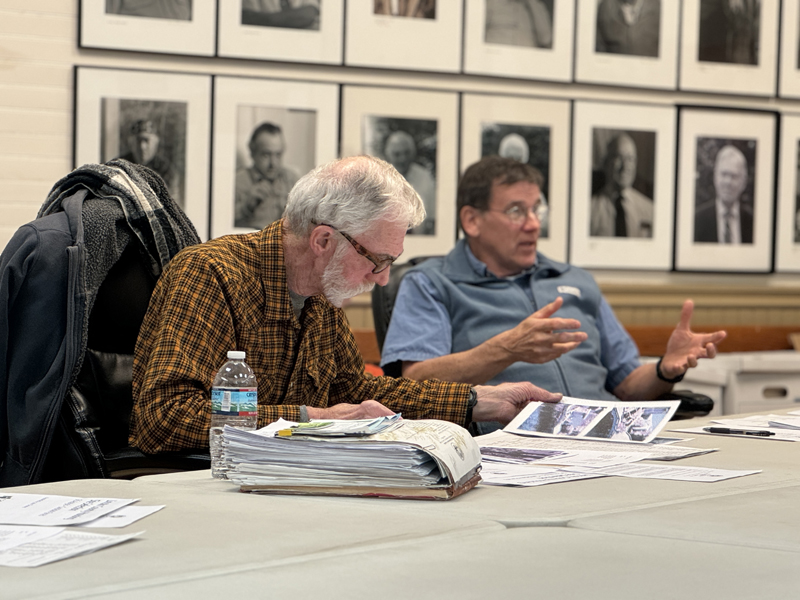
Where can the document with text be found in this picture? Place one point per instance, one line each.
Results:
(29, 546)
(42, 509)
(651, 451)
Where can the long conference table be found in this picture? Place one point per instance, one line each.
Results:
(609, 537)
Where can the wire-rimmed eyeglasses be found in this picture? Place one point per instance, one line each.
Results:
(518, 214)
(381, 262)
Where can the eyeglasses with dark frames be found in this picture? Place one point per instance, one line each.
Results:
(381, 263)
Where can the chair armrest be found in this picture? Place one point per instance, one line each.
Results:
(692, 404)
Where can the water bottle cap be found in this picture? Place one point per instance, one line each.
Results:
(236, 354)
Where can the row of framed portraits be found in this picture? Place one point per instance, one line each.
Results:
(726, 46)
(672, 165)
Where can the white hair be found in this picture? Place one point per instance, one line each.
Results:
(351, 194)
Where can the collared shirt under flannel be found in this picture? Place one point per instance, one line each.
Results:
(230, 294)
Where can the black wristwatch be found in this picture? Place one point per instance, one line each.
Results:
(473, 400)
(660, 375)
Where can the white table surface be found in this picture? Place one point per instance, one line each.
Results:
(600, 538)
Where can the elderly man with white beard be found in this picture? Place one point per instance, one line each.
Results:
(277, 295)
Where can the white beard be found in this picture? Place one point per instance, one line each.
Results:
(334, 284)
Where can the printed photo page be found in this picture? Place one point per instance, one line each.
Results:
(612, 421)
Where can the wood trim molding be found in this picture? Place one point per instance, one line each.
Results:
(651, 339)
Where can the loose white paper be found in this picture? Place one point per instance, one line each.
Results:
(38, 509)
(15, 535)
(637, 422)
(528, 475)
(781, 435)
(651, 451)
(698, 474)
(65, 544)
(578, 458)
(123, 517)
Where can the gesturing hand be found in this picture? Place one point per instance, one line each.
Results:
(539, 338)
(685, 347)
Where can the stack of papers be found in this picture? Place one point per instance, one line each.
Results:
(581, 439)
(408, 459)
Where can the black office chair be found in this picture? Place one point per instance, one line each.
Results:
(91, 438)
(692, 404)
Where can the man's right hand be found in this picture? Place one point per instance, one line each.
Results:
(368, 409)
(540, 337)
(503, 402)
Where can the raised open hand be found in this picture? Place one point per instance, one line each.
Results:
(686, 347)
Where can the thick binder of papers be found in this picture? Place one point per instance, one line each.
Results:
(427, 460)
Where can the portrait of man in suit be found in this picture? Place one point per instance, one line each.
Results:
(726, 218)
(729, 31)
(629, 27)
(618, 209)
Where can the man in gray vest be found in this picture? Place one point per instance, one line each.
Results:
(486, 312)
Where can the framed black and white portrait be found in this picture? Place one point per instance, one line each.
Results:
(725, 190)
(169, 26)
(730, 46)
(267, 134)
(535, 131)
(628, 43)
(417, 132)
(789, 81)
(519, 38)
(160, 120)
(422, 35)
(787, 230)
(623, 192)
(290, 30)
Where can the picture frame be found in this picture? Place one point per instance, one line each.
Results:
(162, 120)
(396, 124)
(382, 40)
(622, 153)
(189, 27)
(789, 76)
(713, 61)
(787, 228)
(643, 53)
(313, 36)
(539, 129)
(547, 56)
(728, 155)
(267, 134)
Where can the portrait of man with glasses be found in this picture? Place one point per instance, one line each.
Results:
(622, 205)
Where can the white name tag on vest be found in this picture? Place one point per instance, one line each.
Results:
(568, 289)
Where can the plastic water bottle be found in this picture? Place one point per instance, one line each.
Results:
(234, 402)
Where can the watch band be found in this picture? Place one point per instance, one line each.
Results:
(660, 375)
(473, 400)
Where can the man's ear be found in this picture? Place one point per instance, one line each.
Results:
(471, 220)
(321, 242)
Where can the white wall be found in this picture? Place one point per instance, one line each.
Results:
(38, 49)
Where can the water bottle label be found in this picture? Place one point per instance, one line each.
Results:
(235, 401)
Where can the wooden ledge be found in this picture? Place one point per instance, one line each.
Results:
(652, 339)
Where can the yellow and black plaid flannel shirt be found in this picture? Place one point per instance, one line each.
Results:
(230, 294)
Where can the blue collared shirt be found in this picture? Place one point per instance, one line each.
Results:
(421, 328)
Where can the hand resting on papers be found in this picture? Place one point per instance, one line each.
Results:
(502, 402)
(368, 409)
